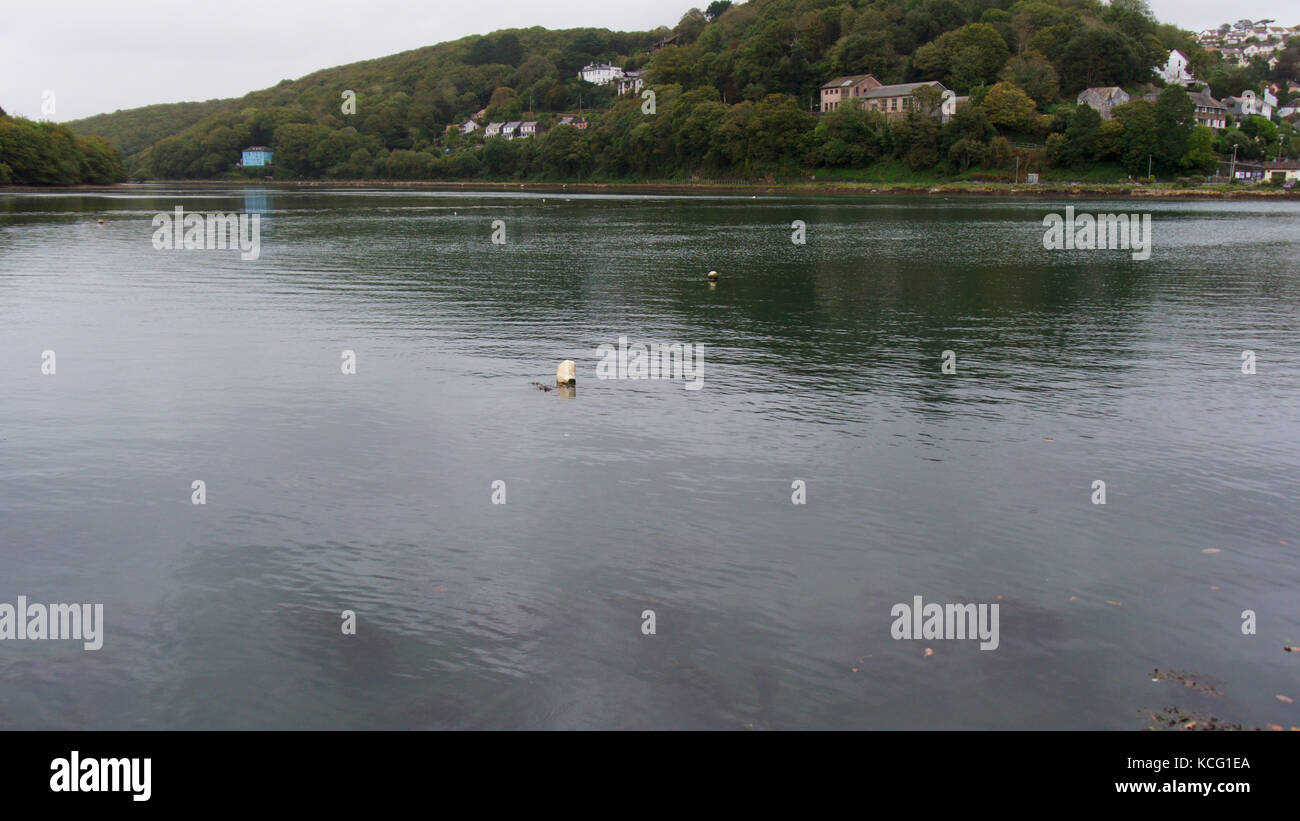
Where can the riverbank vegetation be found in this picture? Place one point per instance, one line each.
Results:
(43, 153)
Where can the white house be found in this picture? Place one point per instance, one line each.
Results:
(948, 104)
(631, 81)
(528, 129)
(511, 129)
(1260, 50)
(468, 127)
(1175, 71)
(1250, 104)
(1269, 103)
(493, 130)
(600, 73)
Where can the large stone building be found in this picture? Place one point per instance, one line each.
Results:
(838, 90)
(898, 100)
(869, 93)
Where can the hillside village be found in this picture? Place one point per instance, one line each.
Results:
(1238, 44)
(859, 89)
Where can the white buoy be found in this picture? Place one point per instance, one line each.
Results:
(713, 276)
(566, 374)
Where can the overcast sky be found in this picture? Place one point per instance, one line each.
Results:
(109, 54)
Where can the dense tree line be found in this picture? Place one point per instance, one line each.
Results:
(42, 153)
(734, 93)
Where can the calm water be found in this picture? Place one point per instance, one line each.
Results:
(373, 492)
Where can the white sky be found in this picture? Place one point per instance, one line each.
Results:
(102, 55)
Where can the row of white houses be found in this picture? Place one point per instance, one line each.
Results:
(515, 128)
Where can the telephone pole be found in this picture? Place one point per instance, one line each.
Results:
(1232, 174)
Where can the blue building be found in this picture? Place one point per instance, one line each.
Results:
(256, 155)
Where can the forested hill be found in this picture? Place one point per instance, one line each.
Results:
(734, 88)
(45, 153)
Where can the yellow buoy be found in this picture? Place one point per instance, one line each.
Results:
(713, 275)
(566, 373)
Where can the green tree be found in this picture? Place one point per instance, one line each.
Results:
(850, 136)
(916, 141)
(716, 8)
(508, 50)
(293, 145)
(1174, 113)
(1033, 73)
(970, 55)
(1097, 57)
(1200, 150)
(1140, 142)
(1080, 139)
(563, 152)
(482, 51)
(1008, 107)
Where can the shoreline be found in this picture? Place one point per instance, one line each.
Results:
(1048, 189)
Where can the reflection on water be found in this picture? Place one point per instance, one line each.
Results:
(373, 491)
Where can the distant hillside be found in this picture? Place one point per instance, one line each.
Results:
(135, 129)
(403, 99)
(734, 89)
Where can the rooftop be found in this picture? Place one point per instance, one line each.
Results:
(845, 81)
(898, 89)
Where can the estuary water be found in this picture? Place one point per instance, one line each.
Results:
(499, 546)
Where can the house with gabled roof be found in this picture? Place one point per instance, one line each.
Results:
(1103, 98)
(1176, 71)
(837, 90)
(1209, 111)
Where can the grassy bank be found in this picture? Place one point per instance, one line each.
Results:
(819, 185)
